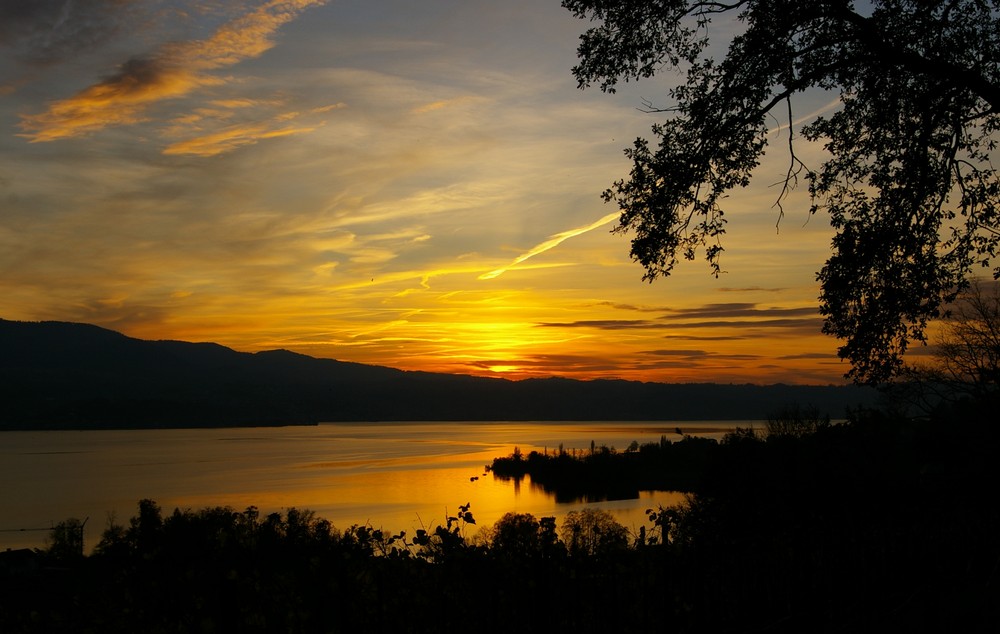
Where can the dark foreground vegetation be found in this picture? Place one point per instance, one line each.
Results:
(882, 524)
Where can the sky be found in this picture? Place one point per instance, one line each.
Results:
(407, 184)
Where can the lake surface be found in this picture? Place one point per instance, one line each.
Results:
(396, 476)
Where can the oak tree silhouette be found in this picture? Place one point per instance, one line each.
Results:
(907, 180)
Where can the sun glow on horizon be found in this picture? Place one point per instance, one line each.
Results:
(296, 174)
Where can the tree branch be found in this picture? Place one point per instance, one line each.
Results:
(912, 61)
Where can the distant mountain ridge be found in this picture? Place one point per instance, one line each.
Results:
(60, 375)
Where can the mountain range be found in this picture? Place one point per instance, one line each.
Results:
(58, 375)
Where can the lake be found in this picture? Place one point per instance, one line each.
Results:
(396, 476)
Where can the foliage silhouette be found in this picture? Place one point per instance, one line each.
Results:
(521, 536)
(907, 181)
(593, 533)
(66, 539)
(796, 420)
(966, 358)
(876, 525)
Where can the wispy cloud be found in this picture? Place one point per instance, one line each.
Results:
(692, 355)
(173, 71)
(443, 103)
(546, 364)
(809, 355)
(633, 307)
(705, 337)
(401, 230)
(749, 289)
(235, 135)
(808, 325)
(742, 318)
(687, 354)
(230, 139)
(638, 324)
(735, 310)
(551, 243)
(605, 324)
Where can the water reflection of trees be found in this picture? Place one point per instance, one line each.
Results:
(603, 473)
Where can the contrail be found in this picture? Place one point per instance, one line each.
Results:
(552, 242)
(828, 107)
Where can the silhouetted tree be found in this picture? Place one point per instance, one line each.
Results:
(146, 529)
(908, 182)
(522, 536)
(795, 420)
(593, 532)
(966, 357)
(516, 535)
(66, 539)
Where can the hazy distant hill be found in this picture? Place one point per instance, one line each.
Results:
(65, 375)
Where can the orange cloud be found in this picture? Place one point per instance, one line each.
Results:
(331, 107)
(444, 103)
(173, 71)
(230, 139)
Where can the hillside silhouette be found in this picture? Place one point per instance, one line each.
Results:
(58, 375)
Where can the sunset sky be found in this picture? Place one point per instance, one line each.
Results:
(409, 184)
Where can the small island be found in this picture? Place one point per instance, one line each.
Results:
(877, 524)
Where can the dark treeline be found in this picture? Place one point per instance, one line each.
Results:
(604, 473)
(881, 524)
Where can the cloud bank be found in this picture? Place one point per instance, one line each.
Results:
(173, 71)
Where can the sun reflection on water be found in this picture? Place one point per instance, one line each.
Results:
(397, 476)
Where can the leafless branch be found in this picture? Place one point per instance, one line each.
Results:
(795, 167)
